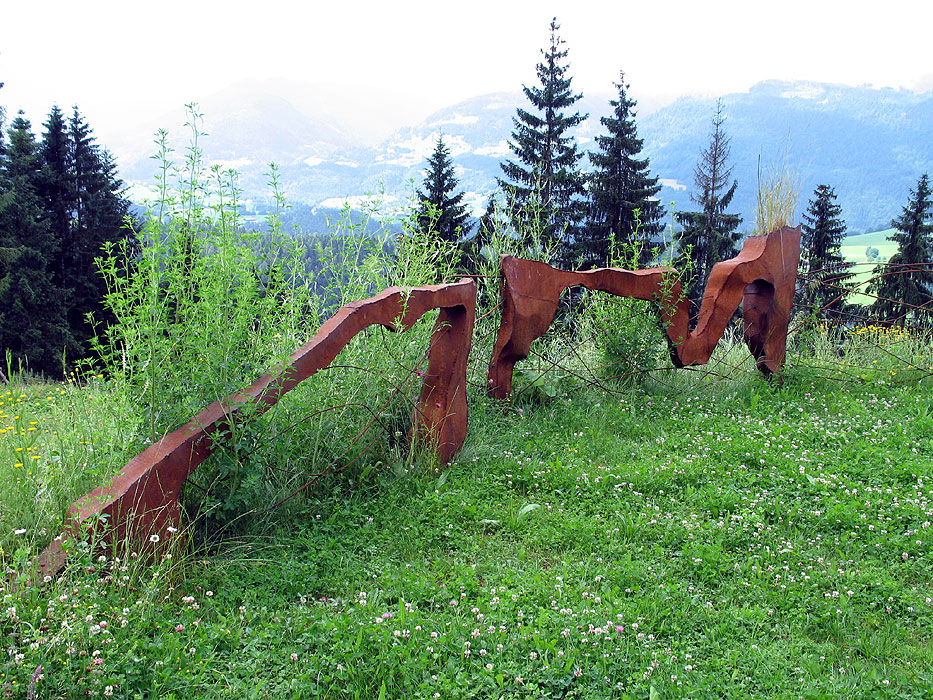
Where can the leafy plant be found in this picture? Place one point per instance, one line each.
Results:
(207, 304)
(628, 332)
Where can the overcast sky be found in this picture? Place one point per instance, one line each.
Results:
(124, 62)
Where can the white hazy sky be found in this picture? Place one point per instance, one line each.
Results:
(127, 62)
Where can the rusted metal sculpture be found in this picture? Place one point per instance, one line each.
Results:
(142, 499)
(763, 275)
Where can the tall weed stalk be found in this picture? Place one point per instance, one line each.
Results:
(207, 304)
(204, 306)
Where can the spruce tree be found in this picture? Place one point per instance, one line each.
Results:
(826, 274)
(904, 285)
(98, 217)
(620, 186)
(440, 206)
(56, 188)
(544, 183)
(709, 234)
(33, 327)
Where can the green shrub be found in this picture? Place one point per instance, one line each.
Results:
(207, 304)
(627, 332)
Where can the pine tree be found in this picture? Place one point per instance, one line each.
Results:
(710, 234)
(98, 217)
(544, 182)
(56, 188)
(904, 285)
(33, 327)
(440, 207)
(619, 187)
(61, 202)
(827, 273)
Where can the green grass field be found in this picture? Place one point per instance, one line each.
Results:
(695, 537)
(853, 249)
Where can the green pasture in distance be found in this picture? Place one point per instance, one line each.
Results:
(853, 249)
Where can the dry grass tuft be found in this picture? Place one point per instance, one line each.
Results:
(778, 194)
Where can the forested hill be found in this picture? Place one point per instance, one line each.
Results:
(869, 144)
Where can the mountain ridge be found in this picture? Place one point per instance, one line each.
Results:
(870, 144)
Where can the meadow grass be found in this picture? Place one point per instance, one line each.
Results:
(57, 442)
(853, 250)
(700, 534)
(604, 534)
(853, 247)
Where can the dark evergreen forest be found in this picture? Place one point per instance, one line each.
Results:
(61, 202)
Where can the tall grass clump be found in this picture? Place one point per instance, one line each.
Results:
(860, 354)
(57, 441)
(778, 195)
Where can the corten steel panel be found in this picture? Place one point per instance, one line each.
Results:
(763, 274)
(143, 497)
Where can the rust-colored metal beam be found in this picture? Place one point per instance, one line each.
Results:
(143, 497)
(763, 275)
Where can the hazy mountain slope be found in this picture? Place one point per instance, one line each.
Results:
(870, 145)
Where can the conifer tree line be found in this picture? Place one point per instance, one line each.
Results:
(903, 287)
(595, 218)
(60, 202)
(900, 289)
(612, 212)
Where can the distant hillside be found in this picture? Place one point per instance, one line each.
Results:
(854, 247)
(870, 145)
